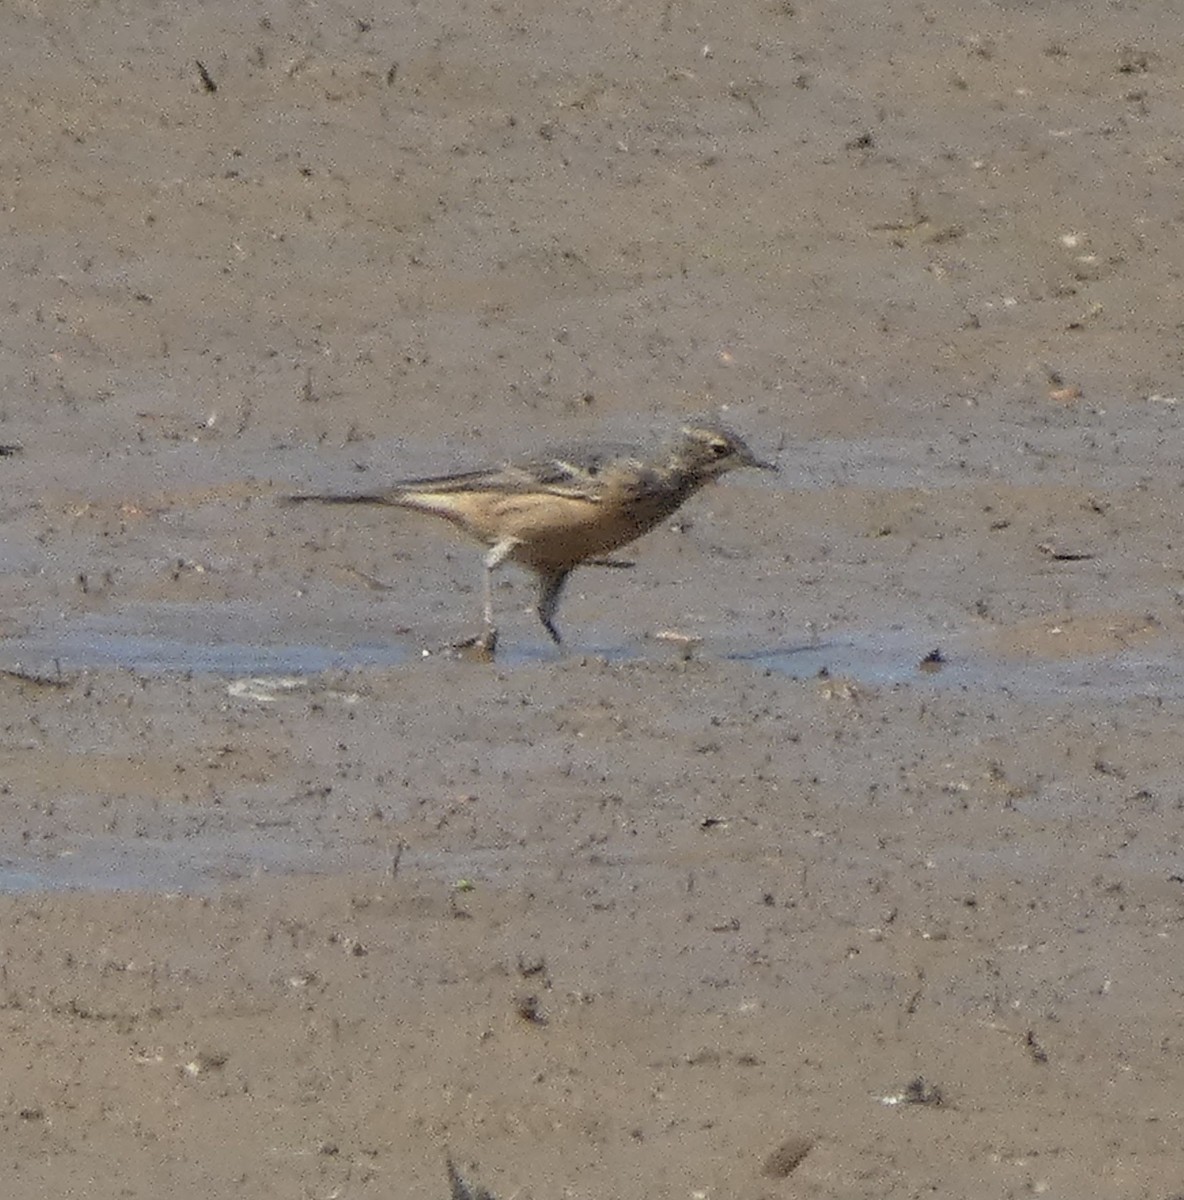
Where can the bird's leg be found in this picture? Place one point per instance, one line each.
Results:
(485, 642)
(550, 589)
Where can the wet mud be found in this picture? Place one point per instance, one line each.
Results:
(838, 852)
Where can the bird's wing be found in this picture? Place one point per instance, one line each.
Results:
(576, 473)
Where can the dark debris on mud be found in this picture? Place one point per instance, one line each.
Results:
(460, 1189)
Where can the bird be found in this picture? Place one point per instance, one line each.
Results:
(569, 506)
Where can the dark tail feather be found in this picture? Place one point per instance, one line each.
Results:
(349, 498)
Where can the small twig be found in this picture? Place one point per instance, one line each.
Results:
(1059, 555)
(207, 80)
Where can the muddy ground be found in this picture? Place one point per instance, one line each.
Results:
(878, 893)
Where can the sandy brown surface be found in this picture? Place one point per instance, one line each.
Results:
(290, 907)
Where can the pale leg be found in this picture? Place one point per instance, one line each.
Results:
(486, 640)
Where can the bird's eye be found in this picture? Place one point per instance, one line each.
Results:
(719, 449)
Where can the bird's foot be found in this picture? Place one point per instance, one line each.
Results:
(481, 646)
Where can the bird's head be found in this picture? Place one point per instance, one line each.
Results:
(707, 449)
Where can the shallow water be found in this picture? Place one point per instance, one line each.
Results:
(895, 657)
(888, 656)
(112, 864)
(266, 672)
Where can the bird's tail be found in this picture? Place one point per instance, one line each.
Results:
(338, 498)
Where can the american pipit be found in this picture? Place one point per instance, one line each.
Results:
(572, 506)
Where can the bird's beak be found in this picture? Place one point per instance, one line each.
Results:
(760, 463)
